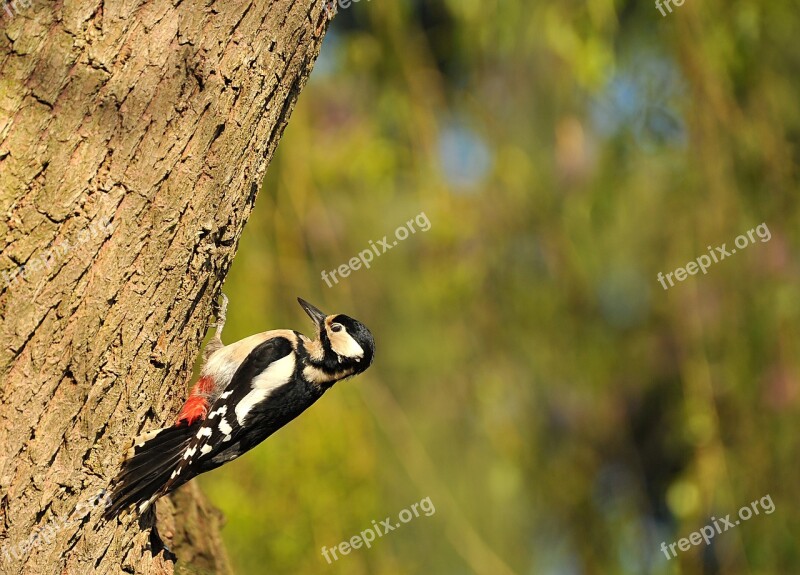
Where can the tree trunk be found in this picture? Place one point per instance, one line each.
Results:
(133, 139)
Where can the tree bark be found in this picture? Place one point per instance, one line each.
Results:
(133, 139)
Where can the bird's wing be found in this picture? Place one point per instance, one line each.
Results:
(270, 365)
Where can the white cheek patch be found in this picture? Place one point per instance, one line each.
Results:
(225, 427)
(344, 345)
(220, 411)
(277, 374)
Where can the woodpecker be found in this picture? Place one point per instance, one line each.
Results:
(246, 392)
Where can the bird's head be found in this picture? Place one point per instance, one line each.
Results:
(343, 344)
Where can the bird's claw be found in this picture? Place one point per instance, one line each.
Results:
(220, 313)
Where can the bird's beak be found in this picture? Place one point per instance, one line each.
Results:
(313, 312)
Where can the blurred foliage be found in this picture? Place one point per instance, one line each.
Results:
(564, 413)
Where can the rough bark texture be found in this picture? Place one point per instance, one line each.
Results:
(133, 139)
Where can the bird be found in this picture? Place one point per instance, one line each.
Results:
(247, 391)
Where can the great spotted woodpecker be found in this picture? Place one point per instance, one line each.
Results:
(247, 391)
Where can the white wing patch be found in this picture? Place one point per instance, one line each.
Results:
(220, 411)
(277, 374)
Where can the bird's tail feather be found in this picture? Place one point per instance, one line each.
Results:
(148, 468)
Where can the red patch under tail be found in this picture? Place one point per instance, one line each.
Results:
(196, 407)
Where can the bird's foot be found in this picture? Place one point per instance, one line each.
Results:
(220, 315)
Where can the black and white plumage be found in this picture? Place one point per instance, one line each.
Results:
(247, 391)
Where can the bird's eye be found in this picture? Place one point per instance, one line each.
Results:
(336, 327)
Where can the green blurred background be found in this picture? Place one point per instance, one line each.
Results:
(564, 413)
